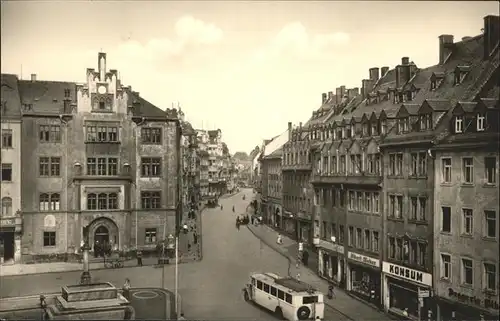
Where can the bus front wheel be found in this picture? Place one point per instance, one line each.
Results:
(278, 313)
(246, 296)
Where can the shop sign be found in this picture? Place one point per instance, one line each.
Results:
(423, 293)
(8, 222)
(331, 246)
(363, 259)
(407, 273)
(486, 303)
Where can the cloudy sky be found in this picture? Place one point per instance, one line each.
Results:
(244, 67)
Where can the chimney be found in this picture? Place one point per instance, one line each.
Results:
(338, 97)
(405, 61)
(384, 71)
(445, 47)
(323, 98)
(342, 92)
(289, 130)
(33, 77)
(300, 125)
(374, 73)
(101, 62)
(330, 95)
(356, 91)
(403, 72)
(491, 34)
(367, 86)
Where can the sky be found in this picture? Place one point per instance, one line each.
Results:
(246, 67)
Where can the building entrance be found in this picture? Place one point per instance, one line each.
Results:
(101, 235)
(7, 246)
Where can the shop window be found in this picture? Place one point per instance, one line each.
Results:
(403, 300)
(362, 282)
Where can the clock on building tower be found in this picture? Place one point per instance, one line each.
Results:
(101, 89)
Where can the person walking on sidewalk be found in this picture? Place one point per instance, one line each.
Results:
(330, 294)
(279, 240)
(139, 257)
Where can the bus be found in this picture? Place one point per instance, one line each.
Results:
(287, 297)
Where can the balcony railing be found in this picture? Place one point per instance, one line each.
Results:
(297, 167)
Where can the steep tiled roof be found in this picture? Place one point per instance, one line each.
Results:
(146, 108)
(276, 154)
(45, 97)
(11, 103)
(187, 129)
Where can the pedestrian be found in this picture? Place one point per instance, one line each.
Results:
(126, 289)
(189, 247)
(181, 317)
(279, 240)
(298, 276)
(195, 238)
(305, 258)
(139, 257)
(330, 294)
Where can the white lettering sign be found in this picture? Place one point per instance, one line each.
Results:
(331, 246)
(49, 221)
(363, 259)
(407, 273)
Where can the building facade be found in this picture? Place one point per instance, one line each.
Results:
(10, 179)
(272, 189)
(106, 160)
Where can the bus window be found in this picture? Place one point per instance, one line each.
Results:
(273, 291)
(288, 298)
(309, 299)
(281, 295)
(259, 285)
(266, 287)
(253, 281)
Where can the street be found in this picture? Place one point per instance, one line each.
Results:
(210, 288)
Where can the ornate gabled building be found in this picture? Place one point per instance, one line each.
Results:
(106, 161)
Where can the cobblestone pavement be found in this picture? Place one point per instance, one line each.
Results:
(211, 288)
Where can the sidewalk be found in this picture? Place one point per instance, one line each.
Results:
(342, 302)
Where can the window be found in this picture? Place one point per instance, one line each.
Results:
(467, 272)
(368, 202)
(422, 207)
(414, 164)
(367, 240)
(392, 206)
(351, 236)
(481, 122)
(6, 173)
(352, 200)
(399, 206)
(49, 238)
(266, 288)
(490, 166)
(102, 166)
(6, 138)
(49, 202)
(422, 253)
(467, 221)
(6, 206)
(422, 164)
(151, 135)
(102, 201)
(490, 224)
(341, 234)
(413, 252)
(342, 164)
(359, 238)
(375, 241)
(259, 285)
(288, 298)
(101, 133)
(446, 219)
(414, 208)
(55, 166)
(446, 170)
(403, 125)
(468, 170)
(425, 122)
(375, 202)
(50, 133)
(150, 235)
(151, 199)
(281, 295)
(490, 277)
(150, 167)
(66, 93)
(360, 203)
(445, 266)
(399, 249)
(323, 230)
(102, 105)
(399, 164)
(392, 248)
(392, 164)
(50, 166)
(459, 123)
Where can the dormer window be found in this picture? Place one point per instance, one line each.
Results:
(403, 125)
(481, 122)
(340, 133)
(460, 73)
(334, 134)
(383, 127)
(366, 129)
(425, 122)
(348, 132)
(433, 84)
(374, 129)
(459, 124)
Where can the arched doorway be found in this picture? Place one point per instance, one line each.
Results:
(101, 235)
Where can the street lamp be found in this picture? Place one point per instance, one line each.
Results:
(85, 277)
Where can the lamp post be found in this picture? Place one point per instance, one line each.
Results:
(85, 277)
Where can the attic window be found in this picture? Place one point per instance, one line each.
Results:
(460, 73)
(425, 122)
(348, 132)
(27, 107)
(366, 129)
(403, 125)
(481, 122)
(459, 124)
(66, 93)
(374, 130)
